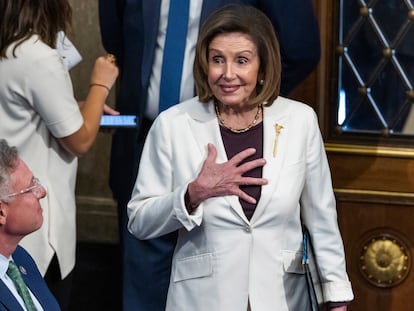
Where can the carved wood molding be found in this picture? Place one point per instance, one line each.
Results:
(369, 150)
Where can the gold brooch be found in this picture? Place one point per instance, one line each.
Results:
(278, 128)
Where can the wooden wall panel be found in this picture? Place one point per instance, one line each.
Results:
(372, 173)
(374, 187)
(373, 181)
(358, 221)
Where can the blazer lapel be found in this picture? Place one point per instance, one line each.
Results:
(204, 123)
(7, 299)
(274, 115)
(34, 280)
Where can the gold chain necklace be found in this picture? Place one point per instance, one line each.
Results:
(221, 120)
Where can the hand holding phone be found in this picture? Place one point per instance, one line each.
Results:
(118, 121)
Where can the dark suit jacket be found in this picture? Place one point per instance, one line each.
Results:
(33, 280)
(129, 30)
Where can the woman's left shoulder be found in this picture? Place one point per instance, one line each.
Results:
(292, 106)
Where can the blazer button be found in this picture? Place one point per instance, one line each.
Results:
(248, 229)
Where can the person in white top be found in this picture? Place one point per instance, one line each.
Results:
(136, 32)
(40, 116)
(237, 171)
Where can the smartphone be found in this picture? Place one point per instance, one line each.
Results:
(120, 121)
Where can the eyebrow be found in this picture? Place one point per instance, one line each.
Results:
(237, 54)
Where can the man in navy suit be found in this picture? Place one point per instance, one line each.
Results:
(20, 214)
(134, 31)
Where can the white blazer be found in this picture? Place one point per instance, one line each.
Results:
(222, 259)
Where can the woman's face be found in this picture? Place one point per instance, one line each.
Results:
(233, 68)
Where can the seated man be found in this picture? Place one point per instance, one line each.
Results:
(21, 284)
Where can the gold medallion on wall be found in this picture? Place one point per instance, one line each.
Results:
(385, 259)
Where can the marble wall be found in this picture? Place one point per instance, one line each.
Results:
(97, 219)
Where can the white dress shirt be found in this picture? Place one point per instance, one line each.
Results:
(187, 80)
(4, 264)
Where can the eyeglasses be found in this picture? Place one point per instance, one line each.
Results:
(36, 189)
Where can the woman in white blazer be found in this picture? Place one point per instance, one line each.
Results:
(236, 171)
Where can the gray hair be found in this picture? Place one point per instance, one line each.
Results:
(9, 158)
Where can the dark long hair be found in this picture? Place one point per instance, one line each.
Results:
(20, 19)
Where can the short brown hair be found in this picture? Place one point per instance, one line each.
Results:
(255, 24)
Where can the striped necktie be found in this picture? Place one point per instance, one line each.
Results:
(172, 64)
(14, 274)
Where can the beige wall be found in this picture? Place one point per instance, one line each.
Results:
(96, 209)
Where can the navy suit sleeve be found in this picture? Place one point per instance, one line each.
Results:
(110, 21)
(298, 32)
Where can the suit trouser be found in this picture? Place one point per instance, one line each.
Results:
(146, 265)
(146, 271)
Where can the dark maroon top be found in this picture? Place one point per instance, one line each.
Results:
(236, 142)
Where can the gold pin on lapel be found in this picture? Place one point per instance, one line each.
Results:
(22, 270)
(278, 128)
